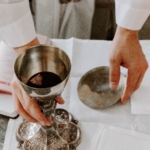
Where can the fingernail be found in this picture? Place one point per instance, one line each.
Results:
(43, 123)
(49, 122)
(113, 85)
(123, 102)
(60, 100)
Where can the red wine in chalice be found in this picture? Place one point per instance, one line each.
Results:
(44, 80)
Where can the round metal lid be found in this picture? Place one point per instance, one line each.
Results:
(94, 90)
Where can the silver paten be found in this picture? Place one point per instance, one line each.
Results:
(63, 134)
(94, 89)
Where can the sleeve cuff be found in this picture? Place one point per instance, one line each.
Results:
(20, 32)
(130, 17)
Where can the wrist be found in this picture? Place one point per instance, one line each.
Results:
(127, 32)
(24, 47)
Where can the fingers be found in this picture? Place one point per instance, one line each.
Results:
(131, 82)
(114, 73)
(126, 51)
(60, 100)
(24, 47)
(20, 110)
(139, 80)
(134, 79)
(34, 110)
(26, 106)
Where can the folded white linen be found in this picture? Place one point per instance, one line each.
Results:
(95, 136)
(118, 115)
(114, 138)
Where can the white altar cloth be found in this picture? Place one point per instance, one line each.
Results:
(86, 55)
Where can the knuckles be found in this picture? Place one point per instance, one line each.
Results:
(14, 85)
(28, 105)
(18, 109)
(142, 67)
(146, 66)
(113, 60)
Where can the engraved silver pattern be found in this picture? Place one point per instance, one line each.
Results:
(63, 134)
(63, 137)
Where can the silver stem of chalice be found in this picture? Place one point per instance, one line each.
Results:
(43, 72)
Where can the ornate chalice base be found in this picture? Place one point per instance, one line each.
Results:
(64, 134)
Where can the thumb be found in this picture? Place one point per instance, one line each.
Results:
(114, 74)
(59, 100)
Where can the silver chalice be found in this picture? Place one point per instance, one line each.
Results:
(63, 134)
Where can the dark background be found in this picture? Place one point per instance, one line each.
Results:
(104, 23)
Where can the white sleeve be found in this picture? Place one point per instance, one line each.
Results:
(16, 23)
(132, 14)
